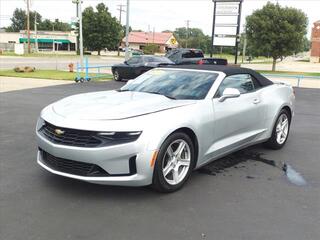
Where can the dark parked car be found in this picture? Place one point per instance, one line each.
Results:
(193, 56)
(213, 61)
(185, 56)
(137, 65)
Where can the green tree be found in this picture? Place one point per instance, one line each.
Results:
(276, 31)
(19, 22)
(193, 38)
(100, 29)
(61, 26)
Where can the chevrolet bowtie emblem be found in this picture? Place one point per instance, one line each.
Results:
(59, 131)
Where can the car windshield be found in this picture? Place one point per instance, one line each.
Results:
(174, 83)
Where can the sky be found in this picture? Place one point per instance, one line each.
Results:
(158, 14)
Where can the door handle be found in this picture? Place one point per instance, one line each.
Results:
(256, 101)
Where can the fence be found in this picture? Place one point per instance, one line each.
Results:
(89, 75)
(298, 80)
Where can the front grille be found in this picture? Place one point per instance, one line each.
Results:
(70, 137)
(72, 167)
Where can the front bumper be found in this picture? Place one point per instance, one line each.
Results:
(113, 159)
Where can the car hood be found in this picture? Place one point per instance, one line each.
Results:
(114, 105)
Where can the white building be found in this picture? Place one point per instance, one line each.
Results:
(47, 40)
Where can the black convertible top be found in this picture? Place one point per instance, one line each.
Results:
(228, 70)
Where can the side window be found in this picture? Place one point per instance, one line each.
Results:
(192, 54)
(133, 60)
(174, 57)
(242, 82)
(256, 84)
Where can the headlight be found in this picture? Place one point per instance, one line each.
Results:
(113, 138)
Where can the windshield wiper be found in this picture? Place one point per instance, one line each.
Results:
(170, 97)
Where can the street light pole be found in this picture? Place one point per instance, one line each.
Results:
(127, 31)
(80, 32)
(78, 41)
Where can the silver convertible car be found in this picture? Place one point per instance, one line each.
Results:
(161, 126)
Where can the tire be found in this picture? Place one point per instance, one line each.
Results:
(81, 80)
(116, 75)
(178, 171)
(280, 131)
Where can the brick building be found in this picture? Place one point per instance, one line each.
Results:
(315, 43)
(164, 40)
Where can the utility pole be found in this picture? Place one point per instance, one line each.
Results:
(244, 48)
(120, 15)
(35, 32)
(28, 25)
(153, 34)
(188, 22)
(127, 31)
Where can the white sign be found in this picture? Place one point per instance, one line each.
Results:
(224, 41)
(227, 8)
(18, 48)
(227, 19)
(225, 30)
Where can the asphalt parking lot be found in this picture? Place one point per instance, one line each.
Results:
(243, 196)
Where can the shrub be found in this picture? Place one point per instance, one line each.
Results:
(150, 49)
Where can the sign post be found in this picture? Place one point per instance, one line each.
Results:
(226, 24)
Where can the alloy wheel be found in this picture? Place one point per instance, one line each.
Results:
(116, 75)
(282, 128)
(176, 162)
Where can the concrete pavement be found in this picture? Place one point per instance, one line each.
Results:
(247, 200)
(51, 62)
(287, 65)
(8, 84)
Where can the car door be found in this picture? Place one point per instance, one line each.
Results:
(130, 70)
(237, 121)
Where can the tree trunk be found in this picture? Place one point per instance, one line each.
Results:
(99, 52)
(274, 62)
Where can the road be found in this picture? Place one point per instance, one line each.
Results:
(51, 62)
(243, 196)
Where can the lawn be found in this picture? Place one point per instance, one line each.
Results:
(309, 74)
(230, 58)
(48, 74)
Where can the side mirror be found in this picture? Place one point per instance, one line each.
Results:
(229, 93)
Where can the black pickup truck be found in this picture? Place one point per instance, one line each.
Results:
(192, 56)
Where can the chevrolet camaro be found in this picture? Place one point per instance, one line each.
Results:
(161, 126)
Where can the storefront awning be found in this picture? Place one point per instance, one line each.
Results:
(44, 40)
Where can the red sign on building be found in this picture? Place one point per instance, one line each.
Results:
(315, 42)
